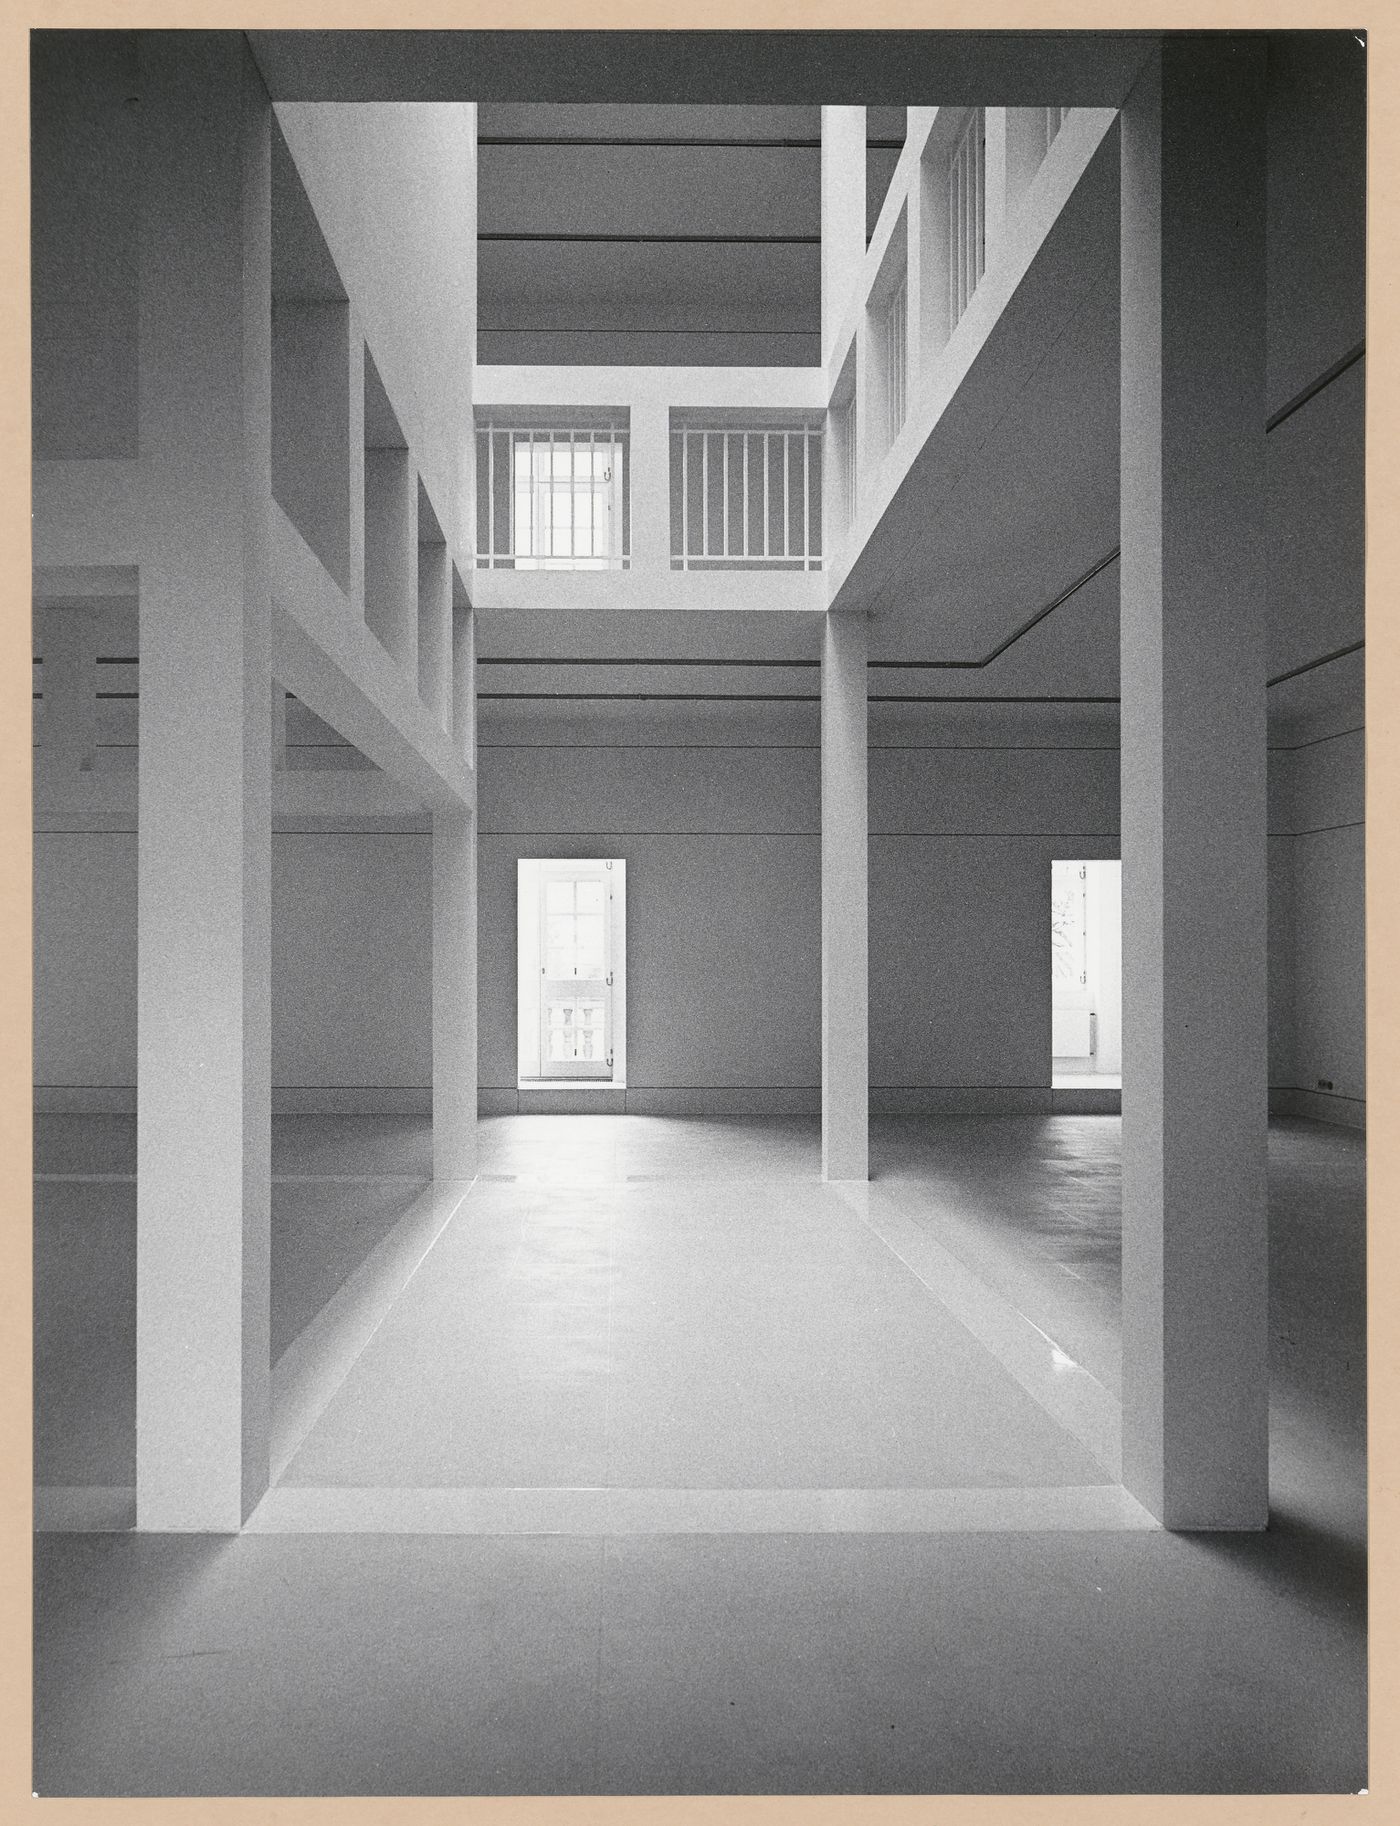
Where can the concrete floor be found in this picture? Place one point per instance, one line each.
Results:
(679, 1314)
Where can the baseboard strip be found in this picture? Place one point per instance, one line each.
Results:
(308, 1509)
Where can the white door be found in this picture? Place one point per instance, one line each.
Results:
(576, 977)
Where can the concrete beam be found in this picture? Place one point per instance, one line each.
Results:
(328, 658)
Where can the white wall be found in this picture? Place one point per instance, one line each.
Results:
(85, 959)
(351, 960)
(724, 972)
(723, 853)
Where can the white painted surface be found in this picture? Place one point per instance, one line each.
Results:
(204, 892)
(1195, 1255)
(845, 901)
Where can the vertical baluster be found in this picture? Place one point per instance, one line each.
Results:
(806, 496)
(724, 512)
(745, 485)
(685, 499)
(787, 497)
(704, 494)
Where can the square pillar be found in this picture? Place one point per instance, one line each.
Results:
(1195, 1263)
(843, 218)
(649, 460)
(845, 913)
(454, 941)
(204, 894)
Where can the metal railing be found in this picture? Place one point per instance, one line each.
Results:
(746, 497)
(967, 215)
(552, 498)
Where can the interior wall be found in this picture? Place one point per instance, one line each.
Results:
(718, 822)
(85, 154)
(351, 963)
(1317, 924)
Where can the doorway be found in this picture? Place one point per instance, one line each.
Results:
(1086, 974)
(572, 958)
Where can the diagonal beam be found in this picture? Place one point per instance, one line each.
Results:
(326, 656)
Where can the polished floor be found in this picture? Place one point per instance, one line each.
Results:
(668, 1469)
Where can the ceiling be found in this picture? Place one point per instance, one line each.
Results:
(676, 236)
(733, 157)
(759, 67)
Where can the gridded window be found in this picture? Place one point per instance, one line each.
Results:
(552, 499)
(576, 983)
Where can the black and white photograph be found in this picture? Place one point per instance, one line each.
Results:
(699, 911)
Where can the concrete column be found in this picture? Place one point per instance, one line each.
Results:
(435, 631)
(454, 942)
(391, 555)
(650, 460)
(845, 916)
(203, 948)
(843, 218)
(70, 693)
(1195, 1292)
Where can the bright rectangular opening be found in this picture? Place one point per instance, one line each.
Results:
(551, 498)
(1086, 960)
(571, 994)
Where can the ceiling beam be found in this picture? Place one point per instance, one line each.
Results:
(932, 68)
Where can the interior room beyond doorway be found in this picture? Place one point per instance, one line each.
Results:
(571, 986)
(1086, 969)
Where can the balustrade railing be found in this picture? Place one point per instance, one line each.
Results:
(746, 497)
